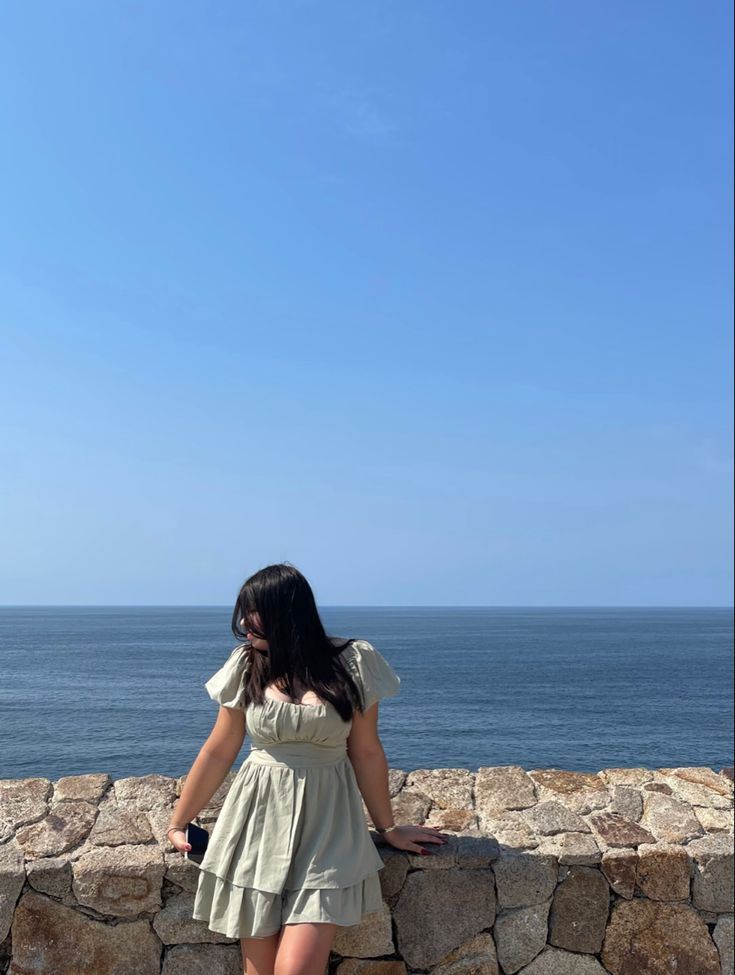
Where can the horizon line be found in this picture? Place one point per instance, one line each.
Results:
(377, 606)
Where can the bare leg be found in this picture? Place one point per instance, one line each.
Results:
(259, 954)
(304, 948)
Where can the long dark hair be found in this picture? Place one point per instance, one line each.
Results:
(298, 645)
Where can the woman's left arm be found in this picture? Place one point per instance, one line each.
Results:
(365, 751)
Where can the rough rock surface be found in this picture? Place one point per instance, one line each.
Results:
(475, 957)
(428, 923)
(121, 881)
(525, 879)
(724, 936)
(371, 939)
(204, 960)
(553, 961)
(520, 935)
(712, 860)
(51, 938)
(649, 938)
(365, 966)
(579, 911)
(628, 871)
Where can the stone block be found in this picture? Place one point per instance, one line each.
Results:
(579, 849)
(580, 792)
(52, 876)
(723, 937)
(121, 881)
(452, 819)
(524, 879)
(371, 938)
(510, 829)
(24, 801)
(366, 966)
(551, 817)
(396, 780)
(438, 858)
(448, 788)
(475, 957)
(393, 874)
(65, 825)
(669, 819)
(502, 788)
(474, 849)
(626, 802)
(12, 878)
(203, 960)
(652, 938)
(699, 786)
(52, 939)
(147, 792)
(626, 776)
(87, 788)
(620, 867)
(579, 911)
(520, 935)
(715, 820)
(118, 825)
(409, 806)
(554, 961)
(439, 910)
(663, 872)
(614, 830)
(712, 886)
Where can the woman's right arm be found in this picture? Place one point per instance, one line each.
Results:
(209, 771)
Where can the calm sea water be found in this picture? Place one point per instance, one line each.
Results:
(120, 690)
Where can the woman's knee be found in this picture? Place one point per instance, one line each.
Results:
(304, 948)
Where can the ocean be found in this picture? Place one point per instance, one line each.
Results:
(120, 689)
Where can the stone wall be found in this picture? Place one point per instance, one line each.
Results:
(629, 871)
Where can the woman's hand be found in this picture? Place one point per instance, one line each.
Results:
(177, 839)
(408, 837)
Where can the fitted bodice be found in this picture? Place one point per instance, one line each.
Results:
(281, 721)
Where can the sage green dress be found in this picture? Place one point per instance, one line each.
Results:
(291, 843)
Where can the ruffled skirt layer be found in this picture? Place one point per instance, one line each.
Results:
(291, 844)
(282, 828)
(245, 912)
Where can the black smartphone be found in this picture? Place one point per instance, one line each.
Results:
(198, 838)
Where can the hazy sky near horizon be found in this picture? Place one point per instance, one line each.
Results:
(431, 299)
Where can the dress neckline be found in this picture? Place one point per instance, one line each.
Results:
(296, 704)
(291, 704)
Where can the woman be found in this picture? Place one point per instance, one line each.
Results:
(290, 858)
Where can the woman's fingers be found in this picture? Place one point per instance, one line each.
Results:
(430, 835)
(409, 838)
(406, 842)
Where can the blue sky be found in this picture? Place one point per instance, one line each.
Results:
(431, 299)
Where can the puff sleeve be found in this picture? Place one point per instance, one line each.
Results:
(374, 674)
(227, 685)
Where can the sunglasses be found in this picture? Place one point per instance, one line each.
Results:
(251, 629)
